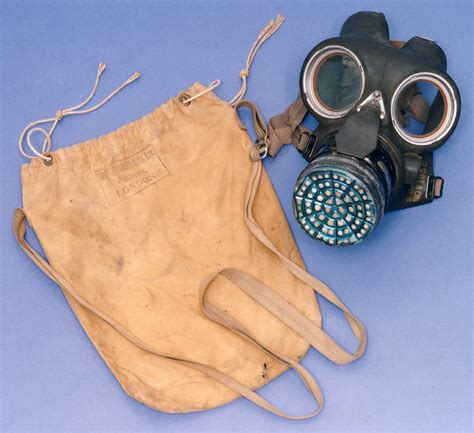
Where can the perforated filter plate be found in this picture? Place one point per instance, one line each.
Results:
(334, 206)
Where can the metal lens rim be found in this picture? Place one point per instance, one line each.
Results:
(450, 109)
(309, 74)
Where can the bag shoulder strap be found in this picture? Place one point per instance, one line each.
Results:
(19, 231)
(316, 336)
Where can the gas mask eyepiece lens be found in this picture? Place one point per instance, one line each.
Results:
(333, 81)
(424, 109)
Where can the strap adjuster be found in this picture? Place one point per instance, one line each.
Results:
(309, 146)
(262, 146)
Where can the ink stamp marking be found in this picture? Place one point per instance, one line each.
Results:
(125, 178)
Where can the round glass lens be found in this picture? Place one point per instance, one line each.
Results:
(338, 82)
(420, 108)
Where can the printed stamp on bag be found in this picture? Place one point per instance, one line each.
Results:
(124, 178)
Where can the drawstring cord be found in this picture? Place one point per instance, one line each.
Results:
(188, 99)
(33, 127)
(265, 34)
(60, 114)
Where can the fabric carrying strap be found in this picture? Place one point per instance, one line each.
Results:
(316, 336)
(19, 231)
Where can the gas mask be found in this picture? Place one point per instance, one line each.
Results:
(383, 107)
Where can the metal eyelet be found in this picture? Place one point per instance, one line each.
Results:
(49, 161)
(183, 98)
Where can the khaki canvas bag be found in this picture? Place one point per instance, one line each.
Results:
(173, 251)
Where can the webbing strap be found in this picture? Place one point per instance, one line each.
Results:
(316, 336)
(286, 128)
(19, 231)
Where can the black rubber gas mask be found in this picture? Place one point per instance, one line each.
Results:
(383, 108)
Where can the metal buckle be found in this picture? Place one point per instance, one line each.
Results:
(309, 146)
(262, 147)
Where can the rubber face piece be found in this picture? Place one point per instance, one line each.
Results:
(337, 205)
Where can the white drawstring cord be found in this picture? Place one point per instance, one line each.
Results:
(186, 100)
(60, 114)
(269, 29)
(266, 33)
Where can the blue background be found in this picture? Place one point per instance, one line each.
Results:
(411, 282)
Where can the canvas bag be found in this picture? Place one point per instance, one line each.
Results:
(173, 251)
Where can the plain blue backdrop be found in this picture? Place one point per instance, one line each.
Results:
(411, 282)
